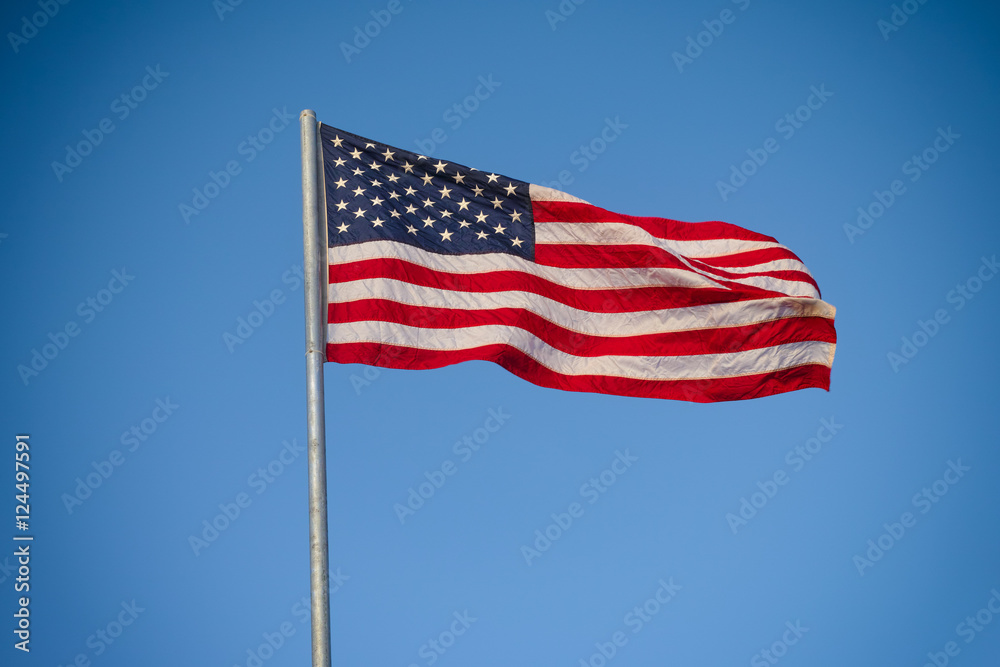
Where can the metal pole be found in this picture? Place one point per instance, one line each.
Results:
(314, 248)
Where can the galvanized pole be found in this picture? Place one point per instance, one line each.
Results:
(314, 248)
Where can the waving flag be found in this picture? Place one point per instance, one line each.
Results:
(432, 263)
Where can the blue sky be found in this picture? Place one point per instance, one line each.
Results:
(148, 424)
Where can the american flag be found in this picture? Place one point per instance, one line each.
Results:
(432, 263)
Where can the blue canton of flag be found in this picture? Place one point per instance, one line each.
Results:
(378, 192)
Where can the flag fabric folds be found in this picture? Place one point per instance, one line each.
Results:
(432, 263)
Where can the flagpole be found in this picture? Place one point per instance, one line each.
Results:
(314, 249)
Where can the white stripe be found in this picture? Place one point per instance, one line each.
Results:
(790, 287)
(695, 318)
(616, 233)
(542, 193)
(773, 265)
(584, 279)
(621, 233)
(690, 367)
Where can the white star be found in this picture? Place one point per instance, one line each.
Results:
(510, 189)
(410, 191)
(358, 191)
(343, 227)
(375, 165)
(411, 229)
(480, 217)
(369, 145)
(463, 205)
(341, 205)
(375, 184)
(428, 221)
(459, 178)
(360, 212)
(481, 235)
(445, 192)
(394, 213)
(341, 183)
(336, 141)
(377, 222)
(445, 214)
(439, 167)
(392, 178)
(358, 172)
(388, 154)
(407, 167)
(426, 178)
(497, 203)
(446, 235)
(377, 201)
(478, 191)
(339, 162)
(492, 178)
(464, 223)
(421, 157)
(356, 154)
(515, 216)
(411, 209)
(428, 202)
(517, 242)
(499, 229)
(393, 195)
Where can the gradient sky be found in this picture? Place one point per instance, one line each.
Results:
(143, 383)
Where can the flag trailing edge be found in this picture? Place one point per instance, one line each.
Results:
(433, 263)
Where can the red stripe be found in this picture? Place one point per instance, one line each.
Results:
(664, 228)
(642, 256)
(666, 344)
(520, 364)
(790, 275)
(750, 257)
(622, 300)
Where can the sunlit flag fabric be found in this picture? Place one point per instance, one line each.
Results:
(432, 263)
